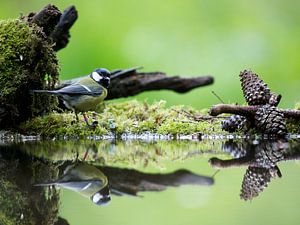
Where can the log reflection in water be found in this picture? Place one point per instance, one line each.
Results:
(130, 182)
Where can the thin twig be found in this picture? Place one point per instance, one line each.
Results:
(217, 96)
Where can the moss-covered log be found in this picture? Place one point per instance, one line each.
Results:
(27, 62)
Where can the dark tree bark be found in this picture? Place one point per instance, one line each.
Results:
(129, 82)
(134, 83)
(47, 18)
(61, 34)
(55, 25)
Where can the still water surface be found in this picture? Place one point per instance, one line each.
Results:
(161, 182)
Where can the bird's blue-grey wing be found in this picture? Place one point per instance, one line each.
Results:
(74, 185)
(80, 185)
(80, 89)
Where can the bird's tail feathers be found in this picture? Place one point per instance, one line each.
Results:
(44, 91)
(45, 184)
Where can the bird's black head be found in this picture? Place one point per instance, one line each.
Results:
(101, 76)
(101, 197)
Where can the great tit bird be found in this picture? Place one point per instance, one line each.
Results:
(85, 94)
(86, 180)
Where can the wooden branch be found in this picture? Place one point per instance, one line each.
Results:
(248, 111)
(47, 18)
(129, 82)
(61, 34)
(133, 83)
(56, 25)
(291, 113)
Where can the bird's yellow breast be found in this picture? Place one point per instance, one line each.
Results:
(89, 103)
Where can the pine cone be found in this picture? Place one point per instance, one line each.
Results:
(270, 120)
(255, 91)
(234, 123)
(255, 181)
(268, 154)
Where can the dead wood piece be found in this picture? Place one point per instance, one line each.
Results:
(47, 18)
(133, 83)
(248, 111)
(55, 25)
(291, 113)
(61, 34)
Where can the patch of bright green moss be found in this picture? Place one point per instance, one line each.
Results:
(132, 117)
(27, 62)
(293, 126)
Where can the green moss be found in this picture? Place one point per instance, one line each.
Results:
(27, 62)
(293, 126)
(13, 204)
(130, 117)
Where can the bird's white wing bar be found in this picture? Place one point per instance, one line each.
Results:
(87, 186)
(85, 87)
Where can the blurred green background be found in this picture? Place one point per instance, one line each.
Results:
(192, 37)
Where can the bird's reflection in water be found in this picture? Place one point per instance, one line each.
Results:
(89, 181)
(261, 158)
(84, 179)
(98, 182)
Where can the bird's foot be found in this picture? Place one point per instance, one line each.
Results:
(92, 126)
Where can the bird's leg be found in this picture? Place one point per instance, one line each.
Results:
(95, 117)
(86, 119)
(85, 154)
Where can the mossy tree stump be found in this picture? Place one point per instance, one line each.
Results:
(28, 61)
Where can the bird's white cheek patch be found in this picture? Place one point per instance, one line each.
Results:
(96, 76)
(96, 197)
